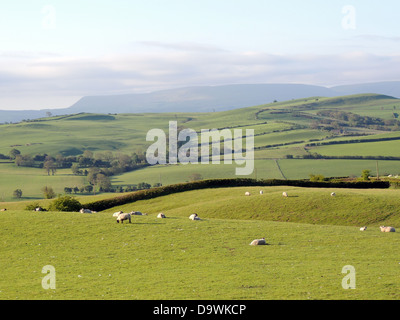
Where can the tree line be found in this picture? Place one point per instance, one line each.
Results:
(108, 163)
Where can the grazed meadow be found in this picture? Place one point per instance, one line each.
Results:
(311, 235)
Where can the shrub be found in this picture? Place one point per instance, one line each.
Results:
(32, 206)
(65, 203)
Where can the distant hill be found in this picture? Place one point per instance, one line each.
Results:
(199, 99)
(203, 99)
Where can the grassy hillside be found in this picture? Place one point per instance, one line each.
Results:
(311, 239)
(350, 207)
(282, 130)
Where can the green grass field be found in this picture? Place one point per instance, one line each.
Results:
(284, 125)
(311, 237)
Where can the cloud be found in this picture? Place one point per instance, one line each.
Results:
(374, 38)
(182, 46)
(33, 77)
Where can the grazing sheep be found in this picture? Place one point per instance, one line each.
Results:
(194, 216)
(261, 192)
(285, 194)
(258, 242)
(387, 229)
(4, 209)
(161, 215)
(86, 211)
(363, 228)
(333, 194)
(124, 216)
(138, 213)
(247, 194)
(116, 214)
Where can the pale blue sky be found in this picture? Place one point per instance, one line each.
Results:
(54, 52)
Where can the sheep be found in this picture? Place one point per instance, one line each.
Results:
(4, 209)
(39, 209)
(194, 216)
(138, 213)
(116, 214)
(86, 211)
(258, 242)
(124, 216)
(285, 194)
(161, 215)
(247, 194)
(387, 229)
(261, 192)
(363, 228)
(333, 194)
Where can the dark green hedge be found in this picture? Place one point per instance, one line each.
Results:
(224, 183)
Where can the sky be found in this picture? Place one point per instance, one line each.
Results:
(54, 52)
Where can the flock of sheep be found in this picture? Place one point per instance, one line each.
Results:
(333, 194)
(121, 216)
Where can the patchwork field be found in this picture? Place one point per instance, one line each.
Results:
(283, 134)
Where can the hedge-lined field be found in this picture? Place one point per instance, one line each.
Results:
(224, 183)
(176, 258)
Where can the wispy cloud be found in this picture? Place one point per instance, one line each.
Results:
(375, 37)
(182, 46)
(57, 76)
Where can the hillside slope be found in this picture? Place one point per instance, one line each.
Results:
(203, 99)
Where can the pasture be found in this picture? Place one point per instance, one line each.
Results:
(282, 130)
(175, 258)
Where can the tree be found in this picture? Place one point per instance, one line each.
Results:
(365, 175)
(48, 192)
(17, 193)
(65, 203)
(13, 153)
(143, 185)
(50, 165)
(103, 182)
(67, 190)
(88, 188)
(75, 169)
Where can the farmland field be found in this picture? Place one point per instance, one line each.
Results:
(175, 258)
(283, 132)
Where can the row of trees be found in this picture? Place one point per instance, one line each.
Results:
(110, 163)
(339, 119)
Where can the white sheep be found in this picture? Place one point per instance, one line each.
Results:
(247, 194)
(124, 216)
(333, 194)
(387, 229)
(258, 242)
(261, 192)
(161, 215)
(86, 211)
(138, 213)
(116, 214)
(194, 216)
(363, 228)
(285, 194)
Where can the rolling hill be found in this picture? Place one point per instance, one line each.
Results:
(203, 99)
(335, 137)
